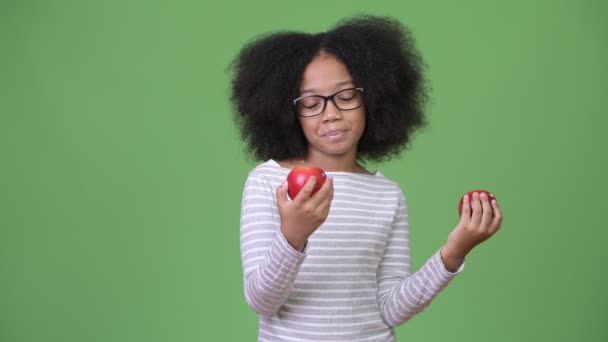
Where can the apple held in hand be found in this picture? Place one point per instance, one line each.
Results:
(470, 194)
(297, 178)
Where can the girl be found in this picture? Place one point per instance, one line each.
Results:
(336, 266)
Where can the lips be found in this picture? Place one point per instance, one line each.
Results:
(334, 133)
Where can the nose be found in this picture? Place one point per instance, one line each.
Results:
(331, 112)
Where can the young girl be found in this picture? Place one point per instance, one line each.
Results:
(335, 266)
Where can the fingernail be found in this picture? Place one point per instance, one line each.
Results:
(483, 195)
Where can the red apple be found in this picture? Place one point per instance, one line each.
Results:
(300, 175)
(470, 194)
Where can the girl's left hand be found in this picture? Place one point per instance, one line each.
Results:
(473, 229)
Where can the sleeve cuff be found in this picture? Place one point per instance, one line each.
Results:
(440, 266)
(287, 249)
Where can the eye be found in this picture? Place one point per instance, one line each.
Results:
(312, 106)
(309, 102)
(347, 95)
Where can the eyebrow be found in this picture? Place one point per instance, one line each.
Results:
(339, 84)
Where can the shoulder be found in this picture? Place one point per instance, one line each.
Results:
(269, 172)
(380, 179)
(397, 193)
(389, 185)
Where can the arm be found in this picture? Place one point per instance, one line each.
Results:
(273, 232)
(270, 264)
(401, 294)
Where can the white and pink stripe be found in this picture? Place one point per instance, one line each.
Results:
(353, 282)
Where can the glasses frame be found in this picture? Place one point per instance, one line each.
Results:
(325, 99)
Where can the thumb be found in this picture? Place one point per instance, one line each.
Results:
(282, 194)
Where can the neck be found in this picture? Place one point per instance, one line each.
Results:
(345, 163)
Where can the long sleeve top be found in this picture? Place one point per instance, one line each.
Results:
(353, 282)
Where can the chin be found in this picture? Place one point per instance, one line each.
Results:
(334, 150)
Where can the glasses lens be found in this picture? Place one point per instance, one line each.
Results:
(310, 105)
(348, 99)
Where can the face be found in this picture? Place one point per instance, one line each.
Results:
(335, 132)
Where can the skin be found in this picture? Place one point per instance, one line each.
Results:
(479, 221)
(332, 145)
(326, 75)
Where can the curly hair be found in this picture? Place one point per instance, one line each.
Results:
(378, 52)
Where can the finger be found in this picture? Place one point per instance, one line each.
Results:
(282, 197)
(486, 216)
(324, 190)
(323, 205)
(306, 190)
(496, 217)
(325, 193)
(466, 209)
(477, 210)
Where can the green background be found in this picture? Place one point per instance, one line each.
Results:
(121, 170)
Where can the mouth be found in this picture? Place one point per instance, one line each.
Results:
(334, 134)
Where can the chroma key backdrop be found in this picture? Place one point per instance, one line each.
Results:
(121, 169)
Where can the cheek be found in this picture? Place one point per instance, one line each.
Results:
(308, 128)
(359, 123)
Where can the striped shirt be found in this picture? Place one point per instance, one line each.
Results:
(353, 282)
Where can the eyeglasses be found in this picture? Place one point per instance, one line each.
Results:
(313, 105)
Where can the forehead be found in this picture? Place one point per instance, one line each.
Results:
(325, 73)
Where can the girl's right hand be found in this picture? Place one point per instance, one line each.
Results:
(304, 214)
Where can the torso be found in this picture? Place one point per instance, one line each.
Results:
(336, 285)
